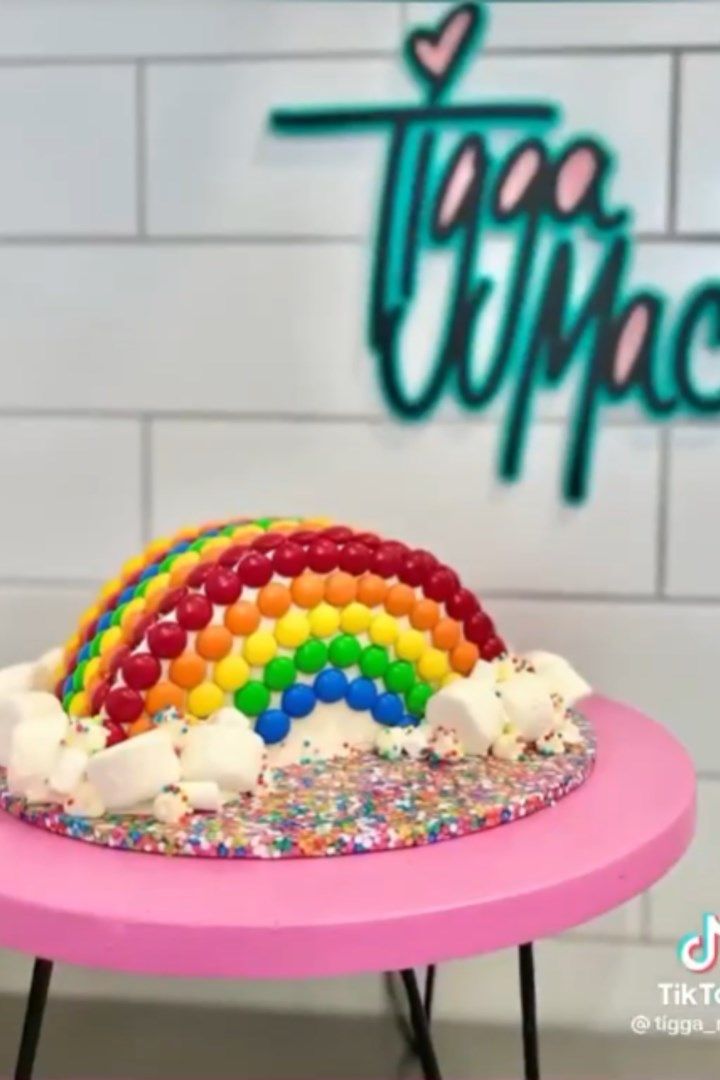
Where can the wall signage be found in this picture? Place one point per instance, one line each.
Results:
(448, 191)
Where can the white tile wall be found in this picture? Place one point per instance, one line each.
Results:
(699, 178)
(182, 308)
(68, 137)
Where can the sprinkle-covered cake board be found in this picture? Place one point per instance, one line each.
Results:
(341, 807)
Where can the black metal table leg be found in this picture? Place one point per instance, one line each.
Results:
(421, 1027)
(32, 1025)
(529, 1012)
(429, 994)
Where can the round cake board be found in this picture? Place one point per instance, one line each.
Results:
(345, 806)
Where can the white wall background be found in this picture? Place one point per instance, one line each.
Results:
(181, 336)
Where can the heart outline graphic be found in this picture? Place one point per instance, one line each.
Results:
(435, 55)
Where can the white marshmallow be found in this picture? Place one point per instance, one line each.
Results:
(389, 743)
(35, 744)
(171, 806)
(23, 705)
(551, 744)
(528, 705)
(202, 795)
(33, 789)
(172, 721)
(229, 754)
(569, 732)
(87, 735)
(134, 771)
(85, 802)
(415, 741)
(44, 670)
(559, 676)
(484, 672)
(18, 677)
(471, 709)
(444, 745)
(69, 770)
(508, 746)
(228, 715)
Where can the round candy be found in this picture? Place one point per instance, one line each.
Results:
(417, 697)
(272, 726)
(80, 705)
(123, 705)
(232, 555)
(273, 600)
(479, 627)
(369, 539)
(464, 657)
(267, 541)
(280, 673)
(205, 699)
(410, 645)
(425, 614)
(242, 618)
(322, 555)
(116, 733)
(355, 558)
(141, 670)
(433, 664)
(166, 640)
(330, 685)
(387, 560)
(92, 670)
(492, 648)
(198, 575)
(162, 696)
(231, 673)
(388, 709)
(311, 657)
(344, 651)
(222, 586)
(289, 559)
(340, 589)
(324, 620)
(400, 676)
(462, 604)
(171, 600)
(371, 590)
(78, 675)
(214, 642)
(194, 612)
(187, 670)
(104, 621)
(182, 566)
(355, 618)
(298, 700)
(339, 533)
(374, 661)
(441, 584)
(292, 629)
(252, 699)
(308, 590)
(110, 639)
(255, 569)
(416, 567)
(157, 585)
(400, 599)
(259, 648)
(361, 694)
(383, 630)
(446, 634)
(98, 698)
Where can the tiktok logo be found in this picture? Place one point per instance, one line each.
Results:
(699, 952)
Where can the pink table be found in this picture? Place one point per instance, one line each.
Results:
(64, 900)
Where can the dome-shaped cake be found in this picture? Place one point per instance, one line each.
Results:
(273, 617)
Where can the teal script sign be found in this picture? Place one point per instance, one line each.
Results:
(445, 191)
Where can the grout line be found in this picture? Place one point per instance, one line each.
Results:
(146, 473)
(673, 141)
(663, 514)
(140, 150)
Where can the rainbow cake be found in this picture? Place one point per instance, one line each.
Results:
(280, 687)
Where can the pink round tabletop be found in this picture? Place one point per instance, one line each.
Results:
(622, 830)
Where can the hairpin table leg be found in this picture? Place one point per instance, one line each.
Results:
(34, 1010)
(429, 994)
(529, 1012)
(421, 1027)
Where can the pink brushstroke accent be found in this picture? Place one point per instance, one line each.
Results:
(630, 341)
(456, 187)
(518, 179)
(436, 53)
(574, 179)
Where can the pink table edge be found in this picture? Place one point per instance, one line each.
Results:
(600, 846)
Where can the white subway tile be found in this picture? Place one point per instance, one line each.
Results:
(553, 25)
(71, 495)
(693, 568)
(34, 618)
(68, 139)
(661, 658)
(678, 902)
(433, 485)
(243, 178)
(699, 145)
(209, 27)
(622, 924)
(246, 328)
